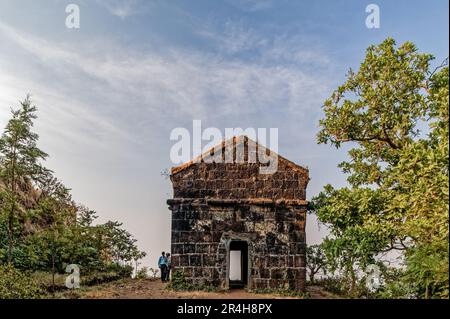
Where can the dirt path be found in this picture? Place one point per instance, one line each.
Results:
(154, 289)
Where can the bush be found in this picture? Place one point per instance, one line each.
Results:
(109, 273)
(124, 271)
(45, 280)
(142, 273)
(332, 284)
(17, 285)
(112, 272)
(97, 278)
(179, 282)
(154, 273)
(340, 286)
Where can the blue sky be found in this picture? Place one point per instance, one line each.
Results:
(110, 92)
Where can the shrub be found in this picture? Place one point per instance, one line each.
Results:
(124, 271)
(97, 278)
(154, 273)
(17, 285)
(142, 273)
(332, 284)
(179, 282)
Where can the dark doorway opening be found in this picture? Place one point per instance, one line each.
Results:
(238, 267)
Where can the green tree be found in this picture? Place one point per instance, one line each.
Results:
(120, 244)
(315, 261)
(57, 210)
(398, 176)
(15, 284)
(420, 193)
(19, 167)
(41, 228)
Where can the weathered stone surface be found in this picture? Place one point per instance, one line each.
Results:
(215, 204)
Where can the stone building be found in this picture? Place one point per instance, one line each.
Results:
(233, 226)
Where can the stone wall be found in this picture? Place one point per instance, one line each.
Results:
(233, 181)
(201, 232)
(216, 203)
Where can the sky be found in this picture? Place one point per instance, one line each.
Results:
(110, 92)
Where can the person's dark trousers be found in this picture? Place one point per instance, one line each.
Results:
(168, 274)
(163, 272)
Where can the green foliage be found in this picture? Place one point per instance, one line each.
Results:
(15, 284)
(427, 268)
(179, 282)
(284, 292)
(123, 271)
(315, 261)
(142, 273)
(19, 169)
(396, 285)
(154, 273)
(112, 273)
(333, 284)
(41, 228)
(398, 177)
(339, 286)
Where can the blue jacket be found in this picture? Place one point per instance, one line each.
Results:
(162, 261)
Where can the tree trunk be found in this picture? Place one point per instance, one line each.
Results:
(13, 205)
(53, 272)
(353, 282)
(11, 234)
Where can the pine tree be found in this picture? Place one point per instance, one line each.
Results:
(19, 165)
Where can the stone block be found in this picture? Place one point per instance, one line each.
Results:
(195, 260)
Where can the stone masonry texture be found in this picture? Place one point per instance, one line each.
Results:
(216, 203)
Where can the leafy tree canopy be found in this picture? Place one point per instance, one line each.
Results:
(397, 196)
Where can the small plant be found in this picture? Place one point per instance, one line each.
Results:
(142, 273)
(154, 273)
(179, 282)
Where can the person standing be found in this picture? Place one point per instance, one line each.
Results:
(162, 264)
(169, 262)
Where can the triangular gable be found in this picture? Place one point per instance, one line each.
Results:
(235, 145)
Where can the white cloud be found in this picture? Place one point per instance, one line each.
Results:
(102, 102)
(182, 83)
(251, 5)
(236, 38)
(121, 8)
(280, 49)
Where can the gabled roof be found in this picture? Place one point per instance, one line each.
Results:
(231, 144)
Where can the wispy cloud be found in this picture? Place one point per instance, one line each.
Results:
(236, 38)
(251, 5)
(183, 82)
(106, 109)
(115, 101)
(121, 8)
